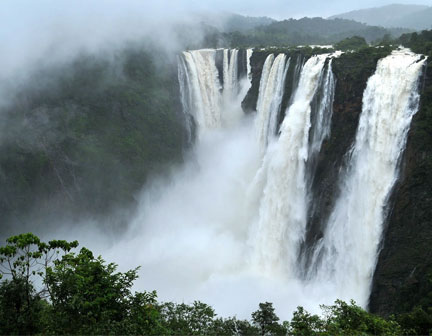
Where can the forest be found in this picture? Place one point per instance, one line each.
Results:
(50, 288)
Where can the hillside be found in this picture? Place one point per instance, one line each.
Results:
(235, 22)
(85, 136)
(397, 15)
(309, 31)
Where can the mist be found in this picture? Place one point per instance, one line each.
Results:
(189, 228)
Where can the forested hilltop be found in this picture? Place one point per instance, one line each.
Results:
(285, 33)
(303, 31)
(395, 15)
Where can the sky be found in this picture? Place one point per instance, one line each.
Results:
(18, 11)
(44, 30)
(282, 9)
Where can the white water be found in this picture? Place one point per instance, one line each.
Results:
(281, 223)
(322, 121)
(270, 97)
(227, 227)
(211, 105)
(248, 64)
(349, 249)
(230, 74)
(204, 85)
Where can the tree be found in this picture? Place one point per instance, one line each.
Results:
(79, 293)
(305, 324)
(183, 319)
(416, 322)
(24, 258)
(349, 319)
(84, 295)
(89, 297)
(21, 308)
(341, 319)
(232, 326)
(267, 321)
(351, 43)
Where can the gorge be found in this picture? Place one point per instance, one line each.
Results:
(293, 173)
(264, 219)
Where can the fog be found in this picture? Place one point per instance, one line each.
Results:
(48, 30)
(190, 231)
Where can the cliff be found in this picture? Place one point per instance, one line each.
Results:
(402, 279)
(403, 276)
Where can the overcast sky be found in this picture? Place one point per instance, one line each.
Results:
(281, 9)
(34, 30)
(12, 10)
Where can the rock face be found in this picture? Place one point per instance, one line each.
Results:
(403, 274)
(86, 138)
(352, 72)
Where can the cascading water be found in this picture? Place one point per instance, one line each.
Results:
(281, 223)
(270, 97)
(203, 82)
(321, 120)
(202, 94)
(347, 254)
(248, 65)
(185, 94)
(243, 202)
(230, 74)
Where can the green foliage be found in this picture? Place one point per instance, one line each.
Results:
(89, 133)
(416, 322)
(267, 321)
(294, 32)
(341, 319)
(418, 42)
(86, 295)
(25, 255)
(305, 324)
(351, 43)
(183, 319)
(22, 259)
(143, 316)
(350, 319)
(21, 308)
(233, 326)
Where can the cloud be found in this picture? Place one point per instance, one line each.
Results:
(49, 30)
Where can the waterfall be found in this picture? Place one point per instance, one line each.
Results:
(282, 212)
(185, 95)
(203, 82)
(230, 74)
(251, 197)
(347, 254)
(270, 97)
(248, 65)
(321, 120)
(205, 96)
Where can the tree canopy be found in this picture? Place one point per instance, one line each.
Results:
(50, 288)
